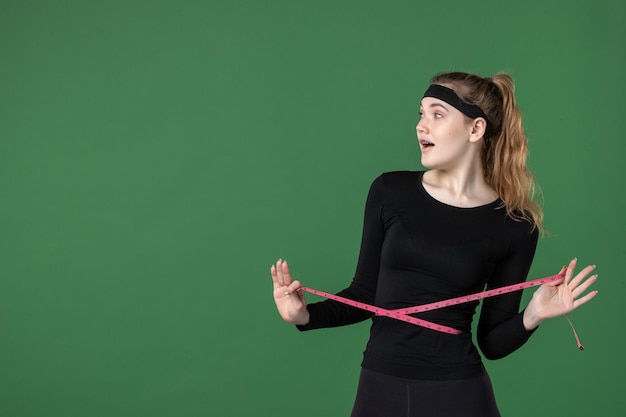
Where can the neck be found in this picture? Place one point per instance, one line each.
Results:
(463, 187)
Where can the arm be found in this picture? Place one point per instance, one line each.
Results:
(363, 287)
(500, 329)
(290, 302)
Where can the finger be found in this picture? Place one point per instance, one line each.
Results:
(301, 295)
(286, 274)
(584, 286)
(581, 275)
(279, 272)
(274, 276)
(559, 281)
(292, 289)
(555, 283)
(570, 270)
(585, 299)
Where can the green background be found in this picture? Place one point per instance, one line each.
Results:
(157, 156)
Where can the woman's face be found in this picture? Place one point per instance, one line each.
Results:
(444, 135)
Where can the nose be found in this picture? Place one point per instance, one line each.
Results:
(421, 127)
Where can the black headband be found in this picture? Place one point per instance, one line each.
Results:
(449, 96)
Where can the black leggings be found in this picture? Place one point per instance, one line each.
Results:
(381, 395)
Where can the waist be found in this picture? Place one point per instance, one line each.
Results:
(403, 350)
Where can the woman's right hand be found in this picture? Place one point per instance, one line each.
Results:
(287, 296)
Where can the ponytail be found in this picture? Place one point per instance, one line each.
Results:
(505, 157)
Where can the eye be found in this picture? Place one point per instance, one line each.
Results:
(438, 115)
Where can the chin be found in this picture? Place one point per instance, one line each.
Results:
(426, 164)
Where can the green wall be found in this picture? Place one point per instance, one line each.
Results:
(157, 156)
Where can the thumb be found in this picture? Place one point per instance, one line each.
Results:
(293, 287)
(561, 276)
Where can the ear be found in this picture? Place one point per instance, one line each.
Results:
(479, 127)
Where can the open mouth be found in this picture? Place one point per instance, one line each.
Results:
(426, 144)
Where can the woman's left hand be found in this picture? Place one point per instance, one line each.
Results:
(560, 297)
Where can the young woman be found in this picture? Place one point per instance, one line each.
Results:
(467, 223)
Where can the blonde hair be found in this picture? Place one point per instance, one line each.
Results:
(506, 149)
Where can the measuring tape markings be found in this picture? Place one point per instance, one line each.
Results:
(402, 313)
(477, 296)
(379, 311)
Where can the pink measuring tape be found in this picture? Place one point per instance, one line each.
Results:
(403, 313)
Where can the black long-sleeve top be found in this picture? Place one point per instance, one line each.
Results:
(417, 250)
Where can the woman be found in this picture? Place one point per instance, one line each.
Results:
(467, 223)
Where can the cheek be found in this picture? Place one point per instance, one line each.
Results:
(457, 133)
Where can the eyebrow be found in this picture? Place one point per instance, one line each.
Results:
(432, 105)
(438, 105)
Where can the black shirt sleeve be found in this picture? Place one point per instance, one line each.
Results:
(331, 313)
(500, 328)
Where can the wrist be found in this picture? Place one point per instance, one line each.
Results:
(304, 322)
(302, 319)
(531, 319)
(303, 325)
